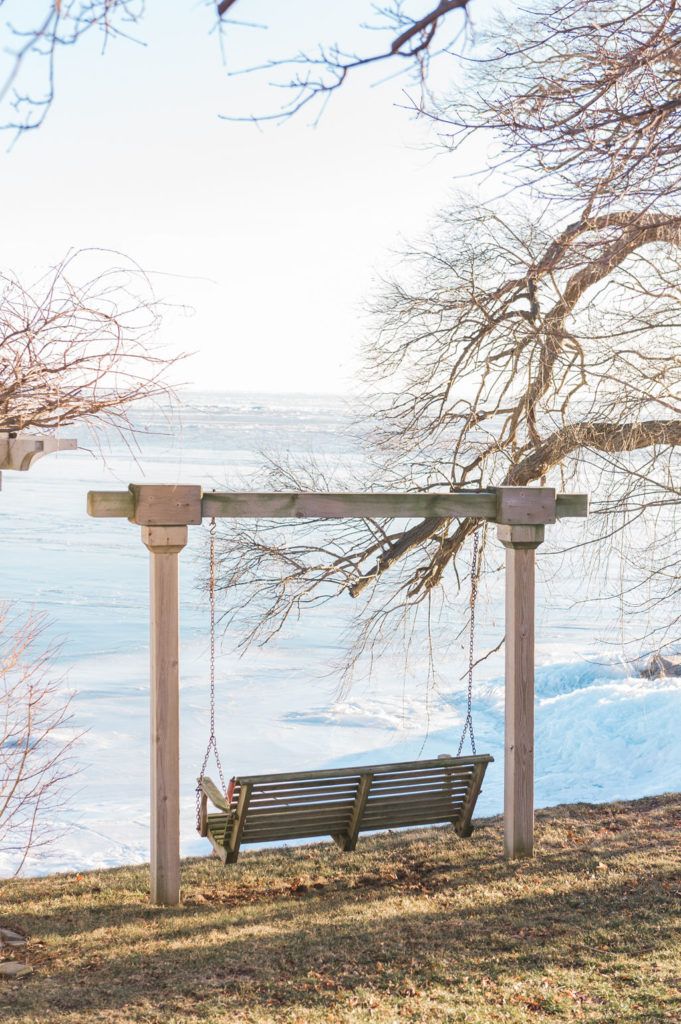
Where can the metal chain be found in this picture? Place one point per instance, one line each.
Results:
(212, 741)
(468, 724)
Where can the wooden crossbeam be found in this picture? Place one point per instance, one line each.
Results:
(518, 505)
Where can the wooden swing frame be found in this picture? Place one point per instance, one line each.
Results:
(166, 511)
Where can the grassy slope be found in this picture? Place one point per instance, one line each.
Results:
(414, 927)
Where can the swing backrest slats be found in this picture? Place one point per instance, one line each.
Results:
(342, 802)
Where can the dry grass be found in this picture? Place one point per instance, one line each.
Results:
(413, 927)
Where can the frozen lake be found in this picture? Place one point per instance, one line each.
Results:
(601, 733)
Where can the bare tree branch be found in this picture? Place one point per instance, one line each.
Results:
(37, 38)
(327, 69)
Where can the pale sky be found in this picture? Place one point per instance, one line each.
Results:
(275, 236)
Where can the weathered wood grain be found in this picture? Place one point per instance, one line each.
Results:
(343, 802)
(519, 712)
(296, 505)
(389, 769)
(523, 506)
(164, 544)
(211, 791)
(162, 505)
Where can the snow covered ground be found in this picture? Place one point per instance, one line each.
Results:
(601, 733)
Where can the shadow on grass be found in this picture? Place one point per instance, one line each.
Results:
(419, 908)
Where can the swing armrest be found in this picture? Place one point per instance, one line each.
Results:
(209, 789)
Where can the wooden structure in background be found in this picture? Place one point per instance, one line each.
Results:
(19, 451)
(164, 512)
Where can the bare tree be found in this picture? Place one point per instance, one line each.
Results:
(36, 738)
(579, 99)
(513, 357)
(524, 347)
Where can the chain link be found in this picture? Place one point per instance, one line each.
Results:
(212, 741)
(475, 570)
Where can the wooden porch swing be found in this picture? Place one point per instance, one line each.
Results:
(341, 802)
(338, 802)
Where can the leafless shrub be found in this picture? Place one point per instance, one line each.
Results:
(75, 347)
(78, 345)
(36, 738)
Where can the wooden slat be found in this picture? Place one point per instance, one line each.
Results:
(421, 789)
(308, 816)
(407, 822)
(313, 791)
(415, 807)
(387, 770)
(432, 773)
(285, 820)
(271, 792)
(209, 789)
(218, 822)
(279, 838)
(304, 785)
(299, 803)
(417, 801)
(321, 826)
(423, 779)
(293, 831)
(312, 814)
(421, 786)
(327, 806)
(434, 796)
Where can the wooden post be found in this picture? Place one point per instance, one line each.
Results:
(164, 544)
(520, 543)
(164, 512)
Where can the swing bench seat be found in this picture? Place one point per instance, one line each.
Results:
(342, 802)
